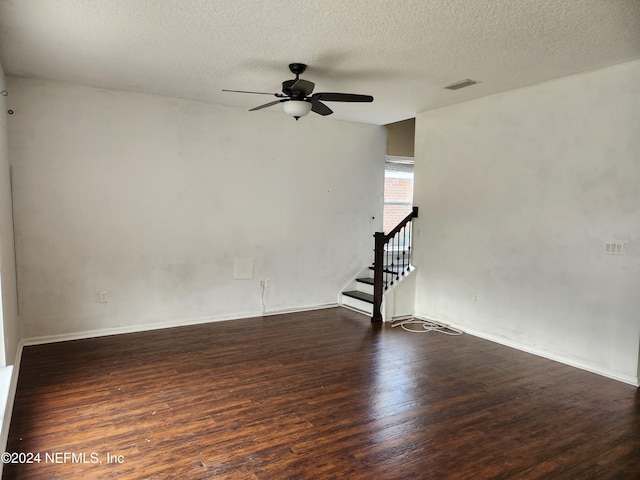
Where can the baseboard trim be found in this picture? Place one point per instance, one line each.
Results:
(631, 380)
(283, 311)
(64, 337)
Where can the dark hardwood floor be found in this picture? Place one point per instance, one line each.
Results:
(316, 395)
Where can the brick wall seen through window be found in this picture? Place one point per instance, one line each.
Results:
(398, 193)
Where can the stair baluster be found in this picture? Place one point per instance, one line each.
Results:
(404, 248)
(410, 244)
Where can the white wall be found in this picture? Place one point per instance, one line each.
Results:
(153, 198)
(9, 313)
(517, 194)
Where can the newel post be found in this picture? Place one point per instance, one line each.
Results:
(380, 240)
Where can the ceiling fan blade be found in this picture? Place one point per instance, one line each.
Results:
(244, 91)
(342, 97)
(320, 108)
(297, 88)
(266, 105)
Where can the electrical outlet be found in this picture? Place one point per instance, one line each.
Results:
(261, 284)
(476, 298)
(614, 248)
(104, 297)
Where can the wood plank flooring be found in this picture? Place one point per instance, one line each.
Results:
(315, 395)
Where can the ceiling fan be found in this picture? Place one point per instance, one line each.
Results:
(297, 97)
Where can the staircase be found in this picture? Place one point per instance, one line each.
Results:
(369, 292)
(361, 298)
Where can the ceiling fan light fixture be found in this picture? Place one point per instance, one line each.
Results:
(297, 108)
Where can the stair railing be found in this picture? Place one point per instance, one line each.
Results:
(392, 259)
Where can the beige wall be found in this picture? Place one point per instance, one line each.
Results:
(153, 199)
(400, 138)
(9, 314)
(522, 189)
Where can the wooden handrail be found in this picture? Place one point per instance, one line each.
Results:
(403, 222)
(381, 240)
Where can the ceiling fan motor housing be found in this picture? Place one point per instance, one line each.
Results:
(289, 90)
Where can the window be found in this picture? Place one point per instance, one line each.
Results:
(398, 190)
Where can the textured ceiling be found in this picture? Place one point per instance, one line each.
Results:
(403, 52)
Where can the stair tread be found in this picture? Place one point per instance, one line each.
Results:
(368, 280)
(390, 269)
(365, 297)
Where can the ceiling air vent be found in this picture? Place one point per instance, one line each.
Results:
(461, 84)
